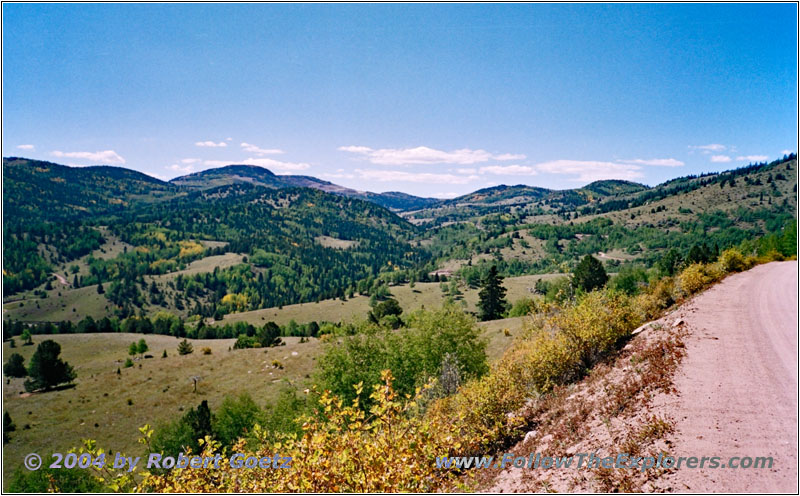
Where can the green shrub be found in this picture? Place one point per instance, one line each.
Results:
(235, 418)
(522, 307)
(630, 280)
(50, 480)
(413, 354)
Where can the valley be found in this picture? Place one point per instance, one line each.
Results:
(227, 253)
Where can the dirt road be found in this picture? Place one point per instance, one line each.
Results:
(738, 383)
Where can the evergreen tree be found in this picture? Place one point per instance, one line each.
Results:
(185, 347)
(8, 427)
(46, 369)
(269, 335)
(589, 274)
(142, 347)
(15, 367)
(492, 304)
(668, 264)
(200, 420)
(389, 308)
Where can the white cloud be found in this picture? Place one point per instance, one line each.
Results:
(509, 170)
(445, 195)
(102, 157)
(588, 171)
(181, 168)
(713, 147)
(413, 177)
(190, 160)
(510, 156)
(659, 162)
(424, 155)
(720, 158)
(786, 152)
(261, 151)
(752, 158)
(338, 175)
(26, 147)
(468, 170)
(211, 144)
(273, 165)
(228, 139)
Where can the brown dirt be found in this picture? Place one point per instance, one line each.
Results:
(729, 388)
(738, 383)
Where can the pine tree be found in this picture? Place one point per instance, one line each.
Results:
(185, 347)
(589, 274)
(492, 304)
(142, 347)
(15, 367)
(46, 369)
(8, 427)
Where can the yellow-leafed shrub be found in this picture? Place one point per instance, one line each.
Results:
(344, 449)
(190, 249)
(693, 279)
(235, 301)
(732, 260)
(659, 296)
(597, 323)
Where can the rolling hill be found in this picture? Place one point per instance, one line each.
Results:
(35, 190)
(259, 176)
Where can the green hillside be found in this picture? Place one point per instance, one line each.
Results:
(34, 190)
(240, 239)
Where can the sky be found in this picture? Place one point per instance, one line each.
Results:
(429, 99)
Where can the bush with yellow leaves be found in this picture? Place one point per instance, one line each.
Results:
(693, 278)
(731, 260)
(342, 449)
(393, 447)
(659, 296)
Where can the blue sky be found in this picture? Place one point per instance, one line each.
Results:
(433, 100)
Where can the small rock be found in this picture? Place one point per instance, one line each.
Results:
(294, 353)
(528, 436)
(677, 323)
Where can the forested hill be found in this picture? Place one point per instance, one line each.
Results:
(34, 190)
(112, 226)
(250, 174)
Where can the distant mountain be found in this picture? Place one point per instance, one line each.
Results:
(501, 195)
(259, 176)
(611, 187)
(37, 190)
(395, 200)
(523, 194)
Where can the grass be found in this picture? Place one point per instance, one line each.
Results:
(160, 389)
(423, 294)
(62, 299)
(330, 242)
